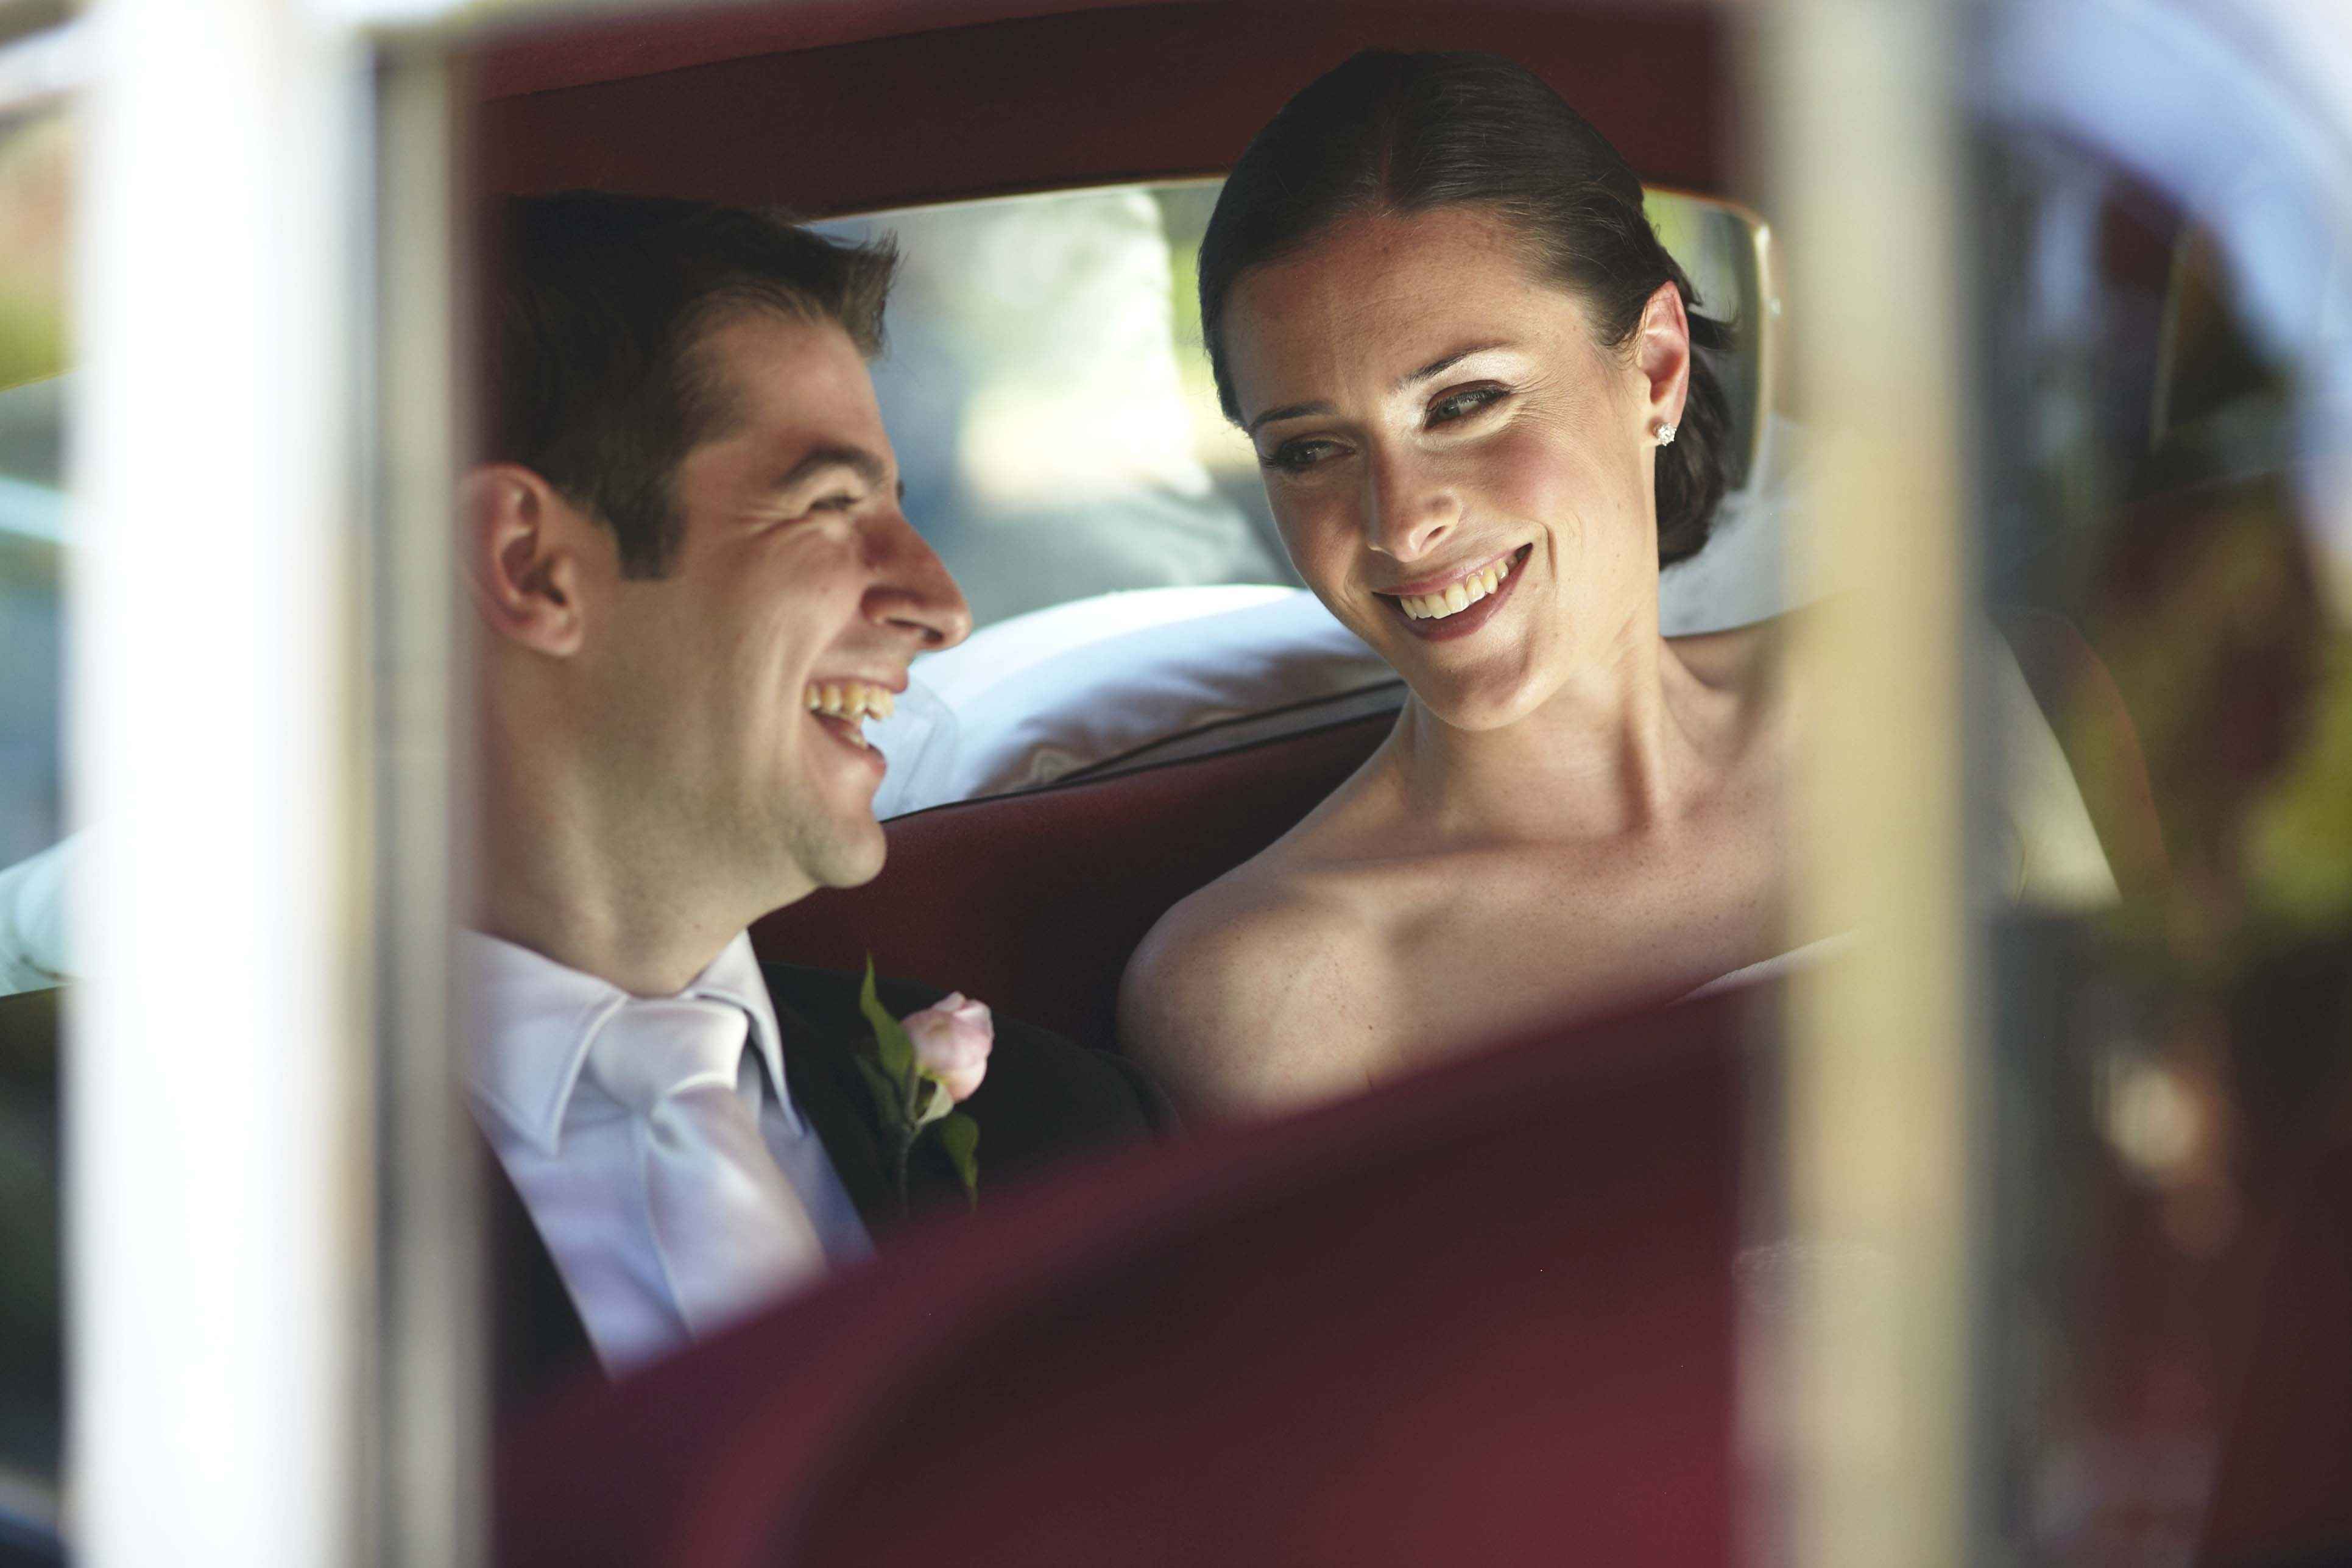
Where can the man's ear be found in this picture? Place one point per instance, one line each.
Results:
(519, 548)
(1661, 354)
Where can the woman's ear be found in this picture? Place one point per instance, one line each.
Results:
(519, 549)
(1661, 354)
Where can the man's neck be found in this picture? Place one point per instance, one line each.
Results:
(606, 903)
(645, 957)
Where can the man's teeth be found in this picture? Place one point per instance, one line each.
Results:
(854, 702)
(1456, 596)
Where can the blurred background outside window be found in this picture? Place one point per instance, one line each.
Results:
(35, 156)
(2169, 345)
(36, 184)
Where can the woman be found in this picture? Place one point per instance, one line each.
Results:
(1468, 367)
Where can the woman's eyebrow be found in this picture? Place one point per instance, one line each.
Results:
(1445, 362)
(1288, 411)
(1437, 367)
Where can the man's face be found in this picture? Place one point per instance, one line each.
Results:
(798, 583)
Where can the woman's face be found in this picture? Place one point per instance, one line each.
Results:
(1462, 472)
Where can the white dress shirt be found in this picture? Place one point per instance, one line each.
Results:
(576, 1155)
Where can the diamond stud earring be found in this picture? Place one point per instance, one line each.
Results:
(1665, 435)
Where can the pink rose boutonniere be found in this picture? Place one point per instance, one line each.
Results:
(920, 1069)
(952, 1037)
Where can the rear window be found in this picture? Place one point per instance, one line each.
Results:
(1050, 399)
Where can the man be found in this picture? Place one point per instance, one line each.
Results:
(695, 580)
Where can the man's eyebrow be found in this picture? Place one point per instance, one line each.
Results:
(866, 465)
(1445, 362)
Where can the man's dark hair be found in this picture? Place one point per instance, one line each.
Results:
(1408, 134)
(600, 384)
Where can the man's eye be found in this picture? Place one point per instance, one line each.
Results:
(1461, 405)
(1296, 457)
(837, 504)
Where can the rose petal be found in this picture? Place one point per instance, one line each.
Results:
(952, 1038)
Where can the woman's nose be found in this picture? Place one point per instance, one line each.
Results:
(1408, 510)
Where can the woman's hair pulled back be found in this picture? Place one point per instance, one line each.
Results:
(1408, 134)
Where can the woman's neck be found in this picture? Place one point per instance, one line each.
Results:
(1622, 749)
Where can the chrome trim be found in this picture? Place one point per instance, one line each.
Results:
(1865, 1379)
(432, 1466)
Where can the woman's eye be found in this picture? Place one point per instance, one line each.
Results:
(1295, 457)
(1461, 405)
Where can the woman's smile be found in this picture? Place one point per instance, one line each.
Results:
(1446, 607)
(1436, 418)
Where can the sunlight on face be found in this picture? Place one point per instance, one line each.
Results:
(1461, 471)
(797, 569)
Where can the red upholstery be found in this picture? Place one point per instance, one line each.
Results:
(1484, 1316)
(832, 108)
(1033, 902)
(2284, 1492)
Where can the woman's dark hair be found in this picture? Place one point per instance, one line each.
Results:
(1406, 133)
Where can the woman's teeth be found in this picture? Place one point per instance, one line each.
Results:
(852, 702)
(1457, 596)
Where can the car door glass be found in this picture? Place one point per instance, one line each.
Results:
(2166, 556)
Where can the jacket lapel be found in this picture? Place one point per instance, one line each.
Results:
(828, 1096)
(539, 1339)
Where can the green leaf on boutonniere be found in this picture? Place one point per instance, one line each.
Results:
(907, 1098)
(890, 1041)
(888, 1110)
(931, 1102)
(959, 1136)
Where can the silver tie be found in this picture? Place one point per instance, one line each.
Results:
(730, 1231)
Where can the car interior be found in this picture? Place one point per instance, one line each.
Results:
(1033, 880)
(1218, 1358)
(1110, 742)
(1154, 794)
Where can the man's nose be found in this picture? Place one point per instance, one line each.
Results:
(1409, 510)
(912, 591)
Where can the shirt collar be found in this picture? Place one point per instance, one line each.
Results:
(533, 1020)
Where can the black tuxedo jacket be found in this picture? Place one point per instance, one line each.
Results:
(1043, 1099)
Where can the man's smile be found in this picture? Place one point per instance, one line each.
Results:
(841, 707)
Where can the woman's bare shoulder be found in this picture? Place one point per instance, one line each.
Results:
(1235, 998)
(1252, 920)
